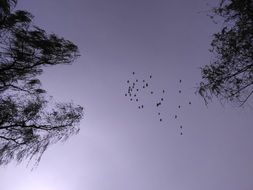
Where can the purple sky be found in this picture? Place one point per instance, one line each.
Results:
(121, 147)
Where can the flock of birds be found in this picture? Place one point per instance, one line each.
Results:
(135, 89)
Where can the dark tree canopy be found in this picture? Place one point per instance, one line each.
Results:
(230, 75)
(29, 120)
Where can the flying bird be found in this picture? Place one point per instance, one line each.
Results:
(158, 104)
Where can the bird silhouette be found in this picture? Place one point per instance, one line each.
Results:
(158, 104)
(175, 116)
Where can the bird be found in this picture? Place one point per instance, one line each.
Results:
(159, 113)
(133, 73)
(146, 84)
(150, 76)
(125, 94)
(180, 80)
(131, 99)
(142, 106)
(151, 92)
(128, 81)
(179, 106)
(158, 104)
(190, 103)
(181, 133)
(160, 119)
(137, 100)
(175, 116)
(161, 99)
(181, 126)
(163, 91)
(143, 81)
(136, 80)
(179, 91)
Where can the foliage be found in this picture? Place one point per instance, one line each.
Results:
(29, 121)
(230, 75)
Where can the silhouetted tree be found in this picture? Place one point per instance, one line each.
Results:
(6, 5)
(29, 121)
(230, 75)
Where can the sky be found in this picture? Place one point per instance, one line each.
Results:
(122, 147)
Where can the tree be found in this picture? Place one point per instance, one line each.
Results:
(29, 120)
(230, 75)
(6, 5)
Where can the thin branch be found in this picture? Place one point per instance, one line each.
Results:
(245, 100)
(10, 139)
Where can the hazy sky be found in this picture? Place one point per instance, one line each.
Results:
(121, 147)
